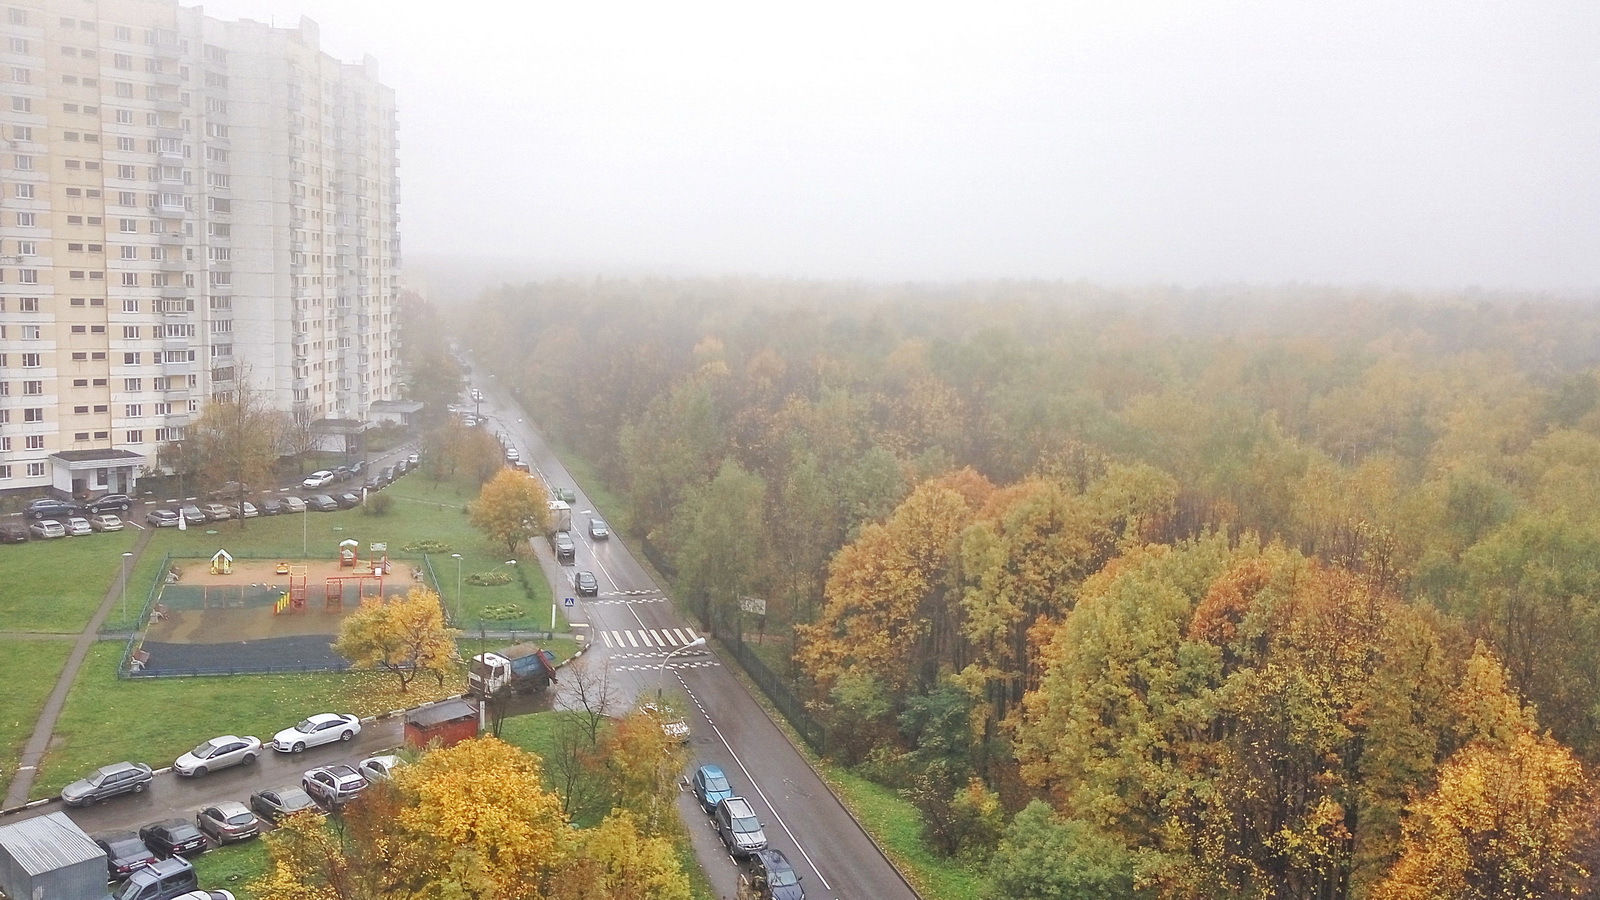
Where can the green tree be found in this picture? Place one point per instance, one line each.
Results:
(1043, 858)
(723, 548)
(235, 440)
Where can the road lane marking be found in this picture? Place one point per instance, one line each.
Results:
(629, 636)
(606, 636)
(753, 783)
(657, 635)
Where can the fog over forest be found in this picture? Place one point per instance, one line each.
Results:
(1419, 144)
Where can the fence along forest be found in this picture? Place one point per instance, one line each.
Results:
(1236, 592)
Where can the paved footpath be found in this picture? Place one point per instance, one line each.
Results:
(40, 741)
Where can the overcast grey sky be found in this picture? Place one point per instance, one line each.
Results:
(1403, 142)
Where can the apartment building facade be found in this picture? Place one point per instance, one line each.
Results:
(187, 205)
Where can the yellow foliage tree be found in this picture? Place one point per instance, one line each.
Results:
(1508, 819)
(406, 636)
(618, 861)
(468, 821)
(512, 507)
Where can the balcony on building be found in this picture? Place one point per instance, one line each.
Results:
(176, 369)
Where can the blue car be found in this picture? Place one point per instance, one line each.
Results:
(710, 786)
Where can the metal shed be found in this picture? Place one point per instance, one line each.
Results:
(50, 858)
(448, 722)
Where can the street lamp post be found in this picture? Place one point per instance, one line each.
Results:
(305, 532)
(126, 559)
(459, 607)
(662, 671)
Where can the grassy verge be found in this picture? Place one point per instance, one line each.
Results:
(232, 868)
(29, 669)
(102, 722)
(54, 587)
(897, 825)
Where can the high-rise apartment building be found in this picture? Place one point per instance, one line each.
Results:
(186, 205)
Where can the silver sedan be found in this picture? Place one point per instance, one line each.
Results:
(218, 753)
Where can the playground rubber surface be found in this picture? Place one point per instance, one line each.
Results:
(242, 621)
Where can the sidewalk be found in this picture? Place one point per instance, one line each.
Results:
(28, 768)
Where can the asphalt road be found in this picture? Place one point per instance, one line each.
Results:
(634, 630)
(170, 796)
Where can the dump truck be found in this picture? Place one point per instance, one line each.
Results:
(522, 668)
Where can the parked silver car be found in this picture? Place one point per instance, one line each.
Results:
(218, 753)
(107, 781)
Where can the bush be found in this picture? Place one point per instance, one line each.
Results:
(501, 613)
(488, 579)
(378, 505)
(967, 821)
(432, 548)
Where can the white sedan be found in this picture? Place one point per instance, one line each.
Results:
(378, 768)
(318, 479)
(218, 753)
(322, 728)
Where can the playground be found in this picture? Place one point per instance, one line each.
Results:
(222, 615)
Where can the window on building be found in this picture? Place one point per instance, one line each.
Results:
(130, 359)
(136, 436)
(36, 470)
(133, 410)
(30, 333)
(130, 279)
(32, 387)
(34, 442)
(25, 220)
(23, 191)
(33, 414)
(133, 385)
(130, 332)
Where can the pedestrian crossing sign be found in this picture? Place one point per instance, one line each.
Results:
(571, 603)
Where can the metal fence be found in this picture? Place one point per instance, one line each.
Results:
(775, 686)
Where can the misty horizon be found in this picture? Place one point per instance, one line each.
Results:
(1424, 147)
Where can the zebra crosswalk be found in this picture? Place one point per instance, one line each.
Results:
(622, 598)
(647, 638)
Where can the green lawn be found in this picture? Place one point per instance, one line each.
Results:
(420, 510)
(55, 586)
(29, 668)
(232, 868)
(897, 824)
(107, 719)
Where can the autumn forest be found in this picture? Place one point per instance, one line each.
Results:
(1236, 592)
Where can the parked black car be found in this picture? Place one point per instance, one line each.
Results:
(586, 584)
(110, 503)
(13, 533)
(107, 781)
(322, 503)
(347, 500)
(274, 803)
(387, 474)
(124, 853)
(773, 878)
(374, 483)
(173, 837)
(51, 508)
(270, 506)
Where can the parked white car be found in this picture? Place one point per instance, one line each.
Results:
(378, 768)
(322, 728)
(218, 753)
(318, 479)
